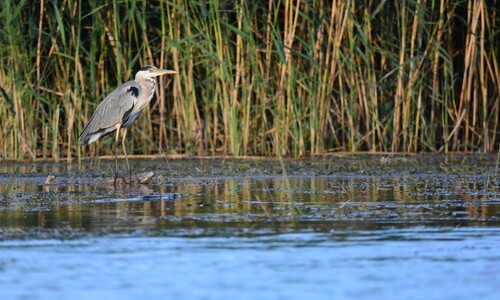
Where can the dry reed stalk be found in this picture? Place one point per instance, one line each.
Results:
(469, 64)
(71, 121)
(398, 101)
(408, 132)
(162, 136)
(435, 80)
(482, 82)
(55, 135)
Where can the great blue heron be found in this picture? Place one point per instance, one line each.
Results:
(121, 108)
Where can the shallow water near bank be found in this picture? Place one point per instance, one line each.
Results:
(364, 227)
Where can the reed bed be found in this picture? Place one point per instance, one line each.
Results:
(255, 77)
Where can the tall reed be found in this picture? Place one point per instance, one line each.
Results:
(290, 77)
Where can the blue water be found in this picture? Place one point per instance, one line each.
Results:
(424, 229)
(414, 263)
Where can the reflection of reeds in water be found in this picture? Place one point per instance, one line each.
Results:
(294, 77)
(393, 197)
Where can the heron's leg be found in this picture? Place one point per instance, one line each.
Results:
(116, 154)
(125, 151)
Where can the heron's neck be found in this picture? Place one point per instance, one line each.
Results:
(152, 83)
(148, 86)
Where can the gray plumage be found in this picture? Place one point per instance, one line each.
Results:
(121, 108)
(114, 111)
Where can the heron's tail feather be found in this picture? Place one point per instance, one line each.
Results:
(89, 136)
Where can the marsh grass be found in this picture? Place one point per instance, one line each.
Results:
(255, 78)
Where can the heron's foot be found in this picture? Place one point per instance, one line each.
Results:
(127, 179)
(117, 180)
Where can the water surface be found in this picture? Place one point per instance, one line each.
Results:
(369, 227)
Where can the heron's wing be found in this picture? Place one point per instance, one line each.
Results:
(111, 113)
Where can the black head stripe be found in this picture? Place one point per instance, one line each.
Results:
(145, 68)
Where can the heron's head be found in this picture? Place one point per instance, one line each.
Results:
(152, 71)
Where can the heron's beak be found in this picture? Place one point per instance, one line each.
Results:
(163, 72)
